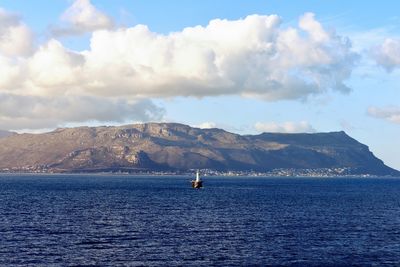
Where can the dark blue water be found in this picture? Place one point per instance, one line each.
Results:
(153, 221)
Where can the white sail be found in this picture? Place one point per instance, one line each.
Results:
(197, 176)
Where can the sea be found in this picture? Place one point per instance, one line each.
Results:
(122, 220)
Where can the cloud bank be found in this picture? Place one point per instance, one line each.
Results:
(253, 56)
(125, 67)
(34, 112)
(286, 127)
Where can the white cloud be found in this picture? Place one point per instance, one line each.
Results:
(53, 69)
(314, 28)
(387, 54)
(251, 57)
(15, 36)
(206, 125)
(286, 127)
(82, 17)
(390, 113)
(11, 73)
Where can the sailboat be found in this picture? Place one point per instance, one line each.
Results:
(198, 183)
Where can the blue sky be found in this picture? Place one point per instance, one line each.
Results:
(320, 66)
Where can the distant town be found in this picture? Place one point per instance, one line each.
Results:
(282, 172)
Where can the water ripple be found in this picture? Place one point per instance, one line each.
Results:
(144, 221)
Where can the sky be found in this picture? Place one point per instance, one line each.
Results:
(244, 66)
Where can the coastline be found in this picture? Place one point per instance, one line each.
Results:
(229, 174)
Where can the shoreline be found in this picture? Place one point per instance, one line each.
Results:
(190, 175)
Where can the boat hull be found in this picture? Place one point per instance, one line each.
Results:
(197, 184)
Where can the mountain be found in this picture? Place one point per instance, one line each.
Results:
(171, 146)
(5, 133)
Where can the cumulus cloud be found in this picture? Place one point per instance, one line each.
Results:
(387, 54)
(390, 113)
(82, 17)
(252, 57)
(286, 127)
(15, 36)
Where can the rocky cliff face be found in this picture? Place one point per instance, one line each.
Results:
(170, 146)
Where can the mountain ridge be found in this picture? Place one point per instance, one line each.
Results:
(179, 147)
